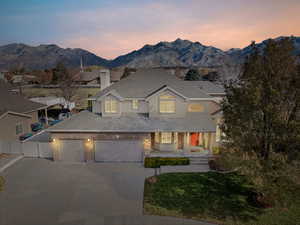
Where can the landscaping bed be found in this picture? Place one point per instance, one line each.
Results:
(213, 197)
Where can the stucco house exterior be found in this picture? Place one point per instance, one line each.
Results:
(16, 114)
(148, 113)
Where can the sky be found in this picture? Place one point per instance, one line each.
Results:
(110, 28)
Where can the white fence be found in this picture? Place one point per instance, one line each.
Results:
(29, 149)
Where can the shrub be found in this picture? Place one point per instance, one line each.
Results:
(1, 183)
(216, 150)
(174, 161)
(275, 180)
(152, 162)
(156, 162)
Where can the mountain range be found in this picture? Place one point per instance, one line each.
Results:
(163, 54)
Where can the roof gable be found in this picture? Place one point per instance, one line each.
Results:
(164, 89)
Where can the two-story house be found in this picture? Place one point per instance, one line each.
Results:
(149, 112)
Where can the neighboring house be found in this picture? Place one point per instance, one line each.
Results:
(84, 77)
(52, 101)
(16, 114)
(93, 77)
(149, 112)
(24, 79)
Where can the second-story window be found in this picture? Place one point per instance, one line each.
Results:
(195, 107)
(135, 104)
(167, 104)
(111, 106)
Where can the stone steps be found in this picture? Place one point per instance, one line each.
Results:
(199, 160)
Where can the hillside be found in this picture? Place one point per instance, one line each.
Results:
(44, 57)
(180, 52)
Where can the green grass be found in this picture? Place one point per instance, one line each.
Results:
(214, 197)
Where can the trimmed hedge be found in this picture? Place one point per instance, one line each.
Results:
(156, 162)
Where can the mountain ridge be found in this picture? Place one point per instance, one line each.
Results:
(180, 52)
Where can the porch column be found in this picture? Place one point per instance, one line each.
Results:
(205, 139)
(186, 142)
(212, 141)
(209, 141)
(201, 138)
(46, 116)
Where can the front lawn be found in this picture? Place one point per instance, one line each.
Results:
(214, 197)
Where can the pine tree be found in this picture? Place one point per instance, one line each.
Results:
(192, 74)
(59, 72)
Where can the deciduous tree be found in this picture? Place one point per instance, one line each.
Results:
(261, 111)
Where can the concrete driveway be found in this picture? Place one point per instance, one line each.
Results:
(41, 192)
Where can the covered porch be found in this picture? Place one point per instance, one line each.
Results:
(178, 144)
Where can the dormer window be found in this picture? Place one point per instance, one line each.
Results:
(111, 106)
(135, 104)
(167, 104)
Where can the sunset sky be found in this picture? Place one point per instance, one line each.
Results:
(110, 28)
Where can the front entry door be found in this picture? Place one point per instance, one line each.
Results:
(194, 139)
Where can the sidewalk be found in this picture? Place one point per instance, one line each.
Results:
(7, 160)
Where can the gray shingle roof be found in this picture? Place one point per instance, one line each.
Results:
(206, 86)
(16, 103)
(87, 76)
(146, 81)
(89, 122)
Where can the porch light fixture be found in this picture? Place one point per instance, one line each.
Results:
(53, 140)
(88, 140)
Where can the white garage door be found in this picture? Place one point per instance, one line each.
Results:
(71, 151)
(119, 151)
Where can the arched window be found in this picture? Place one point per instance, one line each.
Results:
(195, 107)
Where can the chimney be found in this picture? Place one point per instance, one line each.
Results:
(104, 78)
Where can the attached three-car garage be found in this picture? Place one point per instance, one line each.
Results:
(98, 147)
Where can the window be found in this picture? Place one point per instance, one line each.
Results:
(195, 107)
(19, 128)
(135, 104)
(110, 106)
(167, 104)
(166, 138)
